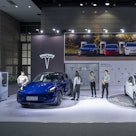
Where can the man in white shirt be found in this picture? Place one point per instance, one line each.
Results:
(22, 79)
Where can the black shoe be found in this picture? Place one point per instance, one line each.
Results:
(101, 97)
(95, 96)
(77, 99)
(73, 99)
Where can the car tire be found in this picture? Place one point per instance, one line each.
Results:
(59, 98)
(125, 91)
(134, 98)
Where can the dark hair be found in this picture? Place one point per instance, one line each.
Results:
(91, 72)
(106, 71)
(77, 73)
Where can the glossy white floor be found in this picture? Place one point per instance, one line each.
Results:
(86, 110)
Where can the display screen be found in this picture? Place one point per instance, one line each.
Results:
(82, 46)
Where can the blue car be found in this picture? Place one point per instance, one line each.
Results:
(47, 88)
(88, 49)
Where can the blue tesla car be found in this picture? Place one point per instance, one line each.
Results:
(47, 88)
(88, 49)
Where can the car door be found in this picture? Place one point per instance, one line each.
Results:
(130, 85)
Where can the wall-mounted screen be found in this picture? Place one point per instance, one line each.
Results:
(83, 46)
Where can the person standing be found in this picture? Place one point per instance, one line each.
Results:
(92, 83)
(22, 79)
(105, 83)
(76, 86)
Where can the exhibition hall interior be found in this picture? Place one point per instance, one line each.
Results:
(67, 67)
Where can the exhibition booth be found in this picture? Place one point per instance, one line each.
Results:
(62, 54)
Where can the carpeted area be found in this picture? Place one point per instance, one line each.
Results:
(121, 100)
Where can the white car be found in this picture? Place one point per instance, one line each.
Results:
(130, 88)
(130, 48)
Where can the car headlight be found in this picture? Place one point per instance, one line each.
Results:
(52, 89)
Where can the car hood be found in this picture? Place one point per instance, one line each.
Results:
(38, 87)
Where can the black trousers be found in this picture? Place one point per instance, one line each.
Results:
(105, 87)
(93, 88)
(77, 91)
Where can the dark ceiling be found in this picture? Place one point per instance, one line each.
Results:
(62, 3)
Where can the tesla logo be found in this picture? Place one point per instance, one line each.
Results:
(47, 58)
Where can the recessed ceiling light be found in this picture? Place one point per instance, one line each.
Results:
(107, 3)
(41, 31)
(57, 31)
(105, 30)
(81, 4)
(37, 30)
(16, 6)
(53, 29)
(94, 4)
(122, 30)
(73, 31)
(29, 6)
(59, 5)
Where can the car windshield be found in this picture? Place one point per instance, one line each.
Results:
(112, 46)
(89, 46)
(47, 77)
(131, 44)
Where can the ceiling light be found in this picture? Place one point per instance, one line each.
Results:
(41, 31)
(57, 31)
(81, 4)
(37, 30)
(29, 6)
(53, 29)
(88, 30)
(122, 30)
(94, 4)
(107, 3)
(72, 31)
(16, 6)
(105, 30)
(59, 5)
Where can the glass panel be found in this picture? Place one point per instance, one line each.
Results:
(28, 38)
(24, 54)
(29, 61)
(29, 70)
(9, 69)
(24, 61)
(29, 46)
(23, 38)
(24, 46)
(15, 61)
(29, 54)
(9, 61)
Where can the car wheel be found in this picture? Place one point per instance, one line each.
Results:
(125, 90)
(59, 98)
(134, 98)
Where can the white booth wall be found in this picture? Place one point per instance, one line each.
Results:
(119, 71)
